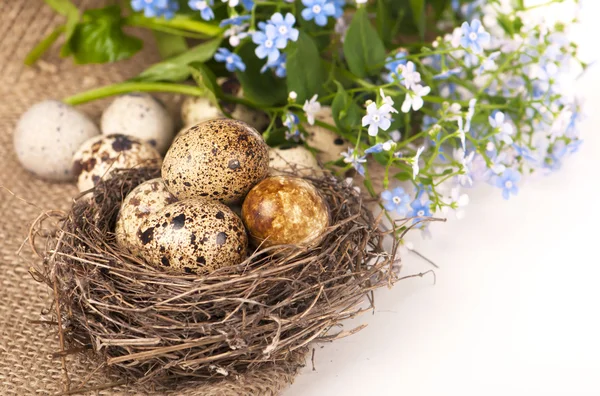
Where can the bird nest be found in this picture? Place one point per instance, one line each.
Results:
(158, 326)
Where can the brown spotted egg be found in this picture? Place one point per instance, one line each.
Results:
(100, 155)
(149, 197)
(219, 159)
(193, 236)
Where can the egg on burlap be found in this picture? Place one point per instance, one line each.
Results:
(285, 210)
(149, 197)
(300, 160)
(99, 156)
(47, 136)
(193, 236)
(220, 160)
(142, 116)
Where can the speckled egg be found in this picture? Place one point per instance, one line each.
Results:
(142, 116)
(195, 110)
(100, 155)
(47, 136)
(220, 160)
(193, 236)
(285, 210)
(297, 159)
(149, 197)
(328, 144)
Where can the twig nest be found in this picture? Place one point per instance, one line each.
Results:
(99, 156)
(193, 236)
(328, 144)
(220, 160)
(142, 116)
(147, 198)
(285, 210)
(48, 135)
(284, 160)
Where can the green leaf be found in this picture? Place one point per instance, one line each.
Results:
(363, 49)
(63, 7)
(99, 38)
(169, 45)
(346, 113)
(43, 46)
(261, 88)
(305, 73)
(176, 69)
(403, 176)
(185, 25)
(418, 11)
(388, 20)
(206, 80)
(69, 10)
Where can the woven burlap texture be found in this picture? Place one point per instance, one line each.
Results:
(26, 367)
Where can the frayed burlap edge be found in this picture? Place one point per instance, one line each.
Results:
(26, 364)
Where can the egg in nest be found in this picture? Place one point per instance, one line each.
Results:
(193, 236)
(99, 156)
(147, 198)
(219, 160)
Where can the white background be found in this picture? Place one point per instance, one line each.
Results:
(515, 310)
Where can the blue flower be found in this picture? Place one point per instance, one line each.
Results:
(318, 10)
(393, 65)
(525, 153)
(232, 61)
(420, 210)
(339, 7)
(474, 36)
(448, 73)
(380, 147)
(235, 21)
(508, 182)
(279, 66)
(204, 7)
(357, 162)
(455, 4)
(291, 121)
(285, 29)
(396, 201)
(266, 43)
(156, 8)
(248, 4)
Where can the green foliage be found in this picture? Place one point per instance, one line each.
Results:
(99, 38)
(170, 45)
(206, 81)
(346, 113)
(305, 72)
(176, 69)
(363, 49)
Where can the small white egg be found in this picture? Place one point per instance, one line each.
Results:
(149, 197)
(195, 110)
(46, 137)
(98, 157)
(328, 144)
(142, 116)
(292, 159)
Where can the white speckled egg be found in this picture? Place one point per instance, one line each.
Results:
(193, 236)
(142, 116)
(289, 159)
(46, 137)
(329, 144)
(149, 197)
(100, 155)
(220, 159)
(195, 110)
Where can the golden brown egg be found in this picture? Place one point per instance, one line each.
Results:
(285, 210)
(193, 236)
(219, 160)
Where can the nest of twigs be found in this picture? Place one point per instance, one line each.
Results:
(158, 326)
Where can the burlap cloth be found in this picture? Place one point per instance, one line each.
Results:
(26, 367)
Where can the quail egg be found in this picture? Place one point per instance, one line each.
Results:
(48, 135)
(328, 144)
(220, 160)
(142, 116)
(149, 197)
(292, 159)
(100, 155)
(193, 236)
(285, 210)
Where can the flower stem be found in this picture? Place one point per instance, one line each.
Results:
(127, 87)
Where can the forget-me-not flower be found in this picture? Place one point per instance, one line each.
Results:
(156, 8)
(415, 162)
(232, 61)
(204, 7)
(396, 200)
(266, 43)
(409, 76)
(414, 98)
(505, 129)
(319, 10)
(380, 147)
(350, 157)
(420, 209)
(474, 36)
(279, 66)
(291, 121)
(508, 182)
(285, 29)
(234, 21)
(311, 108)
(377, 118)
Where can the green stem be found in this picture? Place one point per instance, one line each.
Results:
(121, 88)
(43, 46)
(183, 25)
